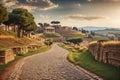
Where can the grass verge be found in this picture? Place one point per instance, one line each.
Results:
(86, 60)
(42, 49)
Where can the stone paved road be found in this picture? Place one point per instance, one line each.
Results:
(50, 65)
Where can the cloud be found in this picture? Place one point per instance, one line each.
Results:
(77, 5)
(103, 0)
(83, 17)
(29, 4)
(43, 18)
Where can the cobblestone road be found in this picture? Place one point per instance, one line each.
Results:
(50, 65)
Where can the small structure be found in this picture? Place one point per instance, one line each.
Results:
(49, 30)
(11, 27)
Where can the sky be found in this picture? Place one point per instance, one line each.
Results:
(79, 13)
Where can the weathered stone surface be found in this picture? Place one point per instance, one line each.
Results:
(106, 53)
(6, 56)
(9, 54)
(20, 50)
(33, 47)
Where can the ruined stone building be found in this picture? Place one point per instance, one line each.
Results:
(49, 30)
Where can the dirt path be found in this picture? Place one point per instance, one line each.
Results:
(50, 65)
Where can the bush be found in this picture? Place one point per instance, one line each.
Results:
(49, 42)
(75, 40)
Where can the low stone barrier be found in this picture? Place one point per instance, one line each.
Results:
(33, 47)
(8, 55)
(106, 52)
(20, 50)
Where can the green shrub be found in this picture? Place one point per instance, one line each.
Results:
(49, 42)
(75, 40)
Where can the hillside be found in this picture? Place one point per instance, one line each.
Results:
(69, 33)
(11, 42)
(9, 39)
(52, 35)
(7, 34)
(106, 31)
(92, 28)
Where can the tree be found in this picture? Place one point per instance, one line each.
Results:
(3, 14)
(46, 24)
(24, 20)
(92, 33)
(29, 28)
(75, 28)
(43, 25)
(55, 22)
(9, 22)
(83, 31)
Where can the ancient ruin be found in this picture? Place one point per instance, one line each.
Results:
(107, 52)
(8, 55)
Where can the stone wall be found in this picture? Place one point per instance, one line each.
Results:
(20, 50)
(107, 52)
(6, 56)
(33, 47)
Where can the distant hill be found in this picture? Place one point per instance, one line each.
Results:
(112, 30)
(92, 28)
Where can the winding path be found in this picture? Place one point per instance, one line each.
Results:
(49, 65)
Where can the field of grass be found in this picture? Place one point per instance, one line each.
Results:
(10, 42)
(100, 38)
(52, 35)
(42, 49)
(86, 60)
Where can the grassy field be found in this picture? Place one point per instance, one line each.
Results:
(85, 60)
(100, 38)
(52, 35)
(42, 49)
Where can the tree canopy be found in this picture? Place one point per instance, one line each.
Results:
(43, 25)
(75, 28)
(3, 14)
(23, 19)
(55, 22)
